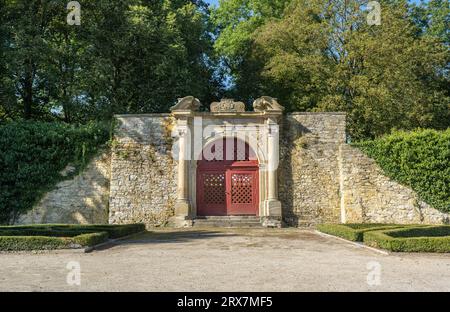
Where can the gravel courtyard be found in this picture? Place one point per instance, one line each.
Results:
(228, 260)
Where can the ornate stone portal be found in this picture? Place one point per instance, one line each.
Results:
(166, 164)
(248, 183)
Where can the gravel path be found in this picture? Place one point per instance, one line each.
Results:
(228, 260)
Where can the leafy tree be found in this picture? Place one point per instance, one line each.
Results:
(63, 65)
(5, 86)
(126, 57)
(236, 21)
(433, 19)
(27, 22)
(297, 55)
(138, 56)
(142, 55)
(322, 55)
(387, 77)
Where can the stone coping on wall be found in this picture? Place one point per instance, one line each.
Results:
(230, 114)
(317, 113)
(142, 115)
(203, 114)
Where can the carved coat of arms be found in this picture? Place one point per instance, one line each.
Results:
(227, 105)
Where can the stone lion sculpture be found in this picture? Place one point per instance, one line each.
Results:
(267, 103)
(187, 103)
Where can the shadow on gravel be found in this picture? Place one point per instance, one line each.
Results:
(168, 237)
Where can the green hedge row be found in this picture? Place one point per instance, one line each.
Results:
(394, 237)
(32, 154)
(90, 239)
(353, 232)
(58, 236)
(21, 243)
(70, 230)
(418, 159)
(425, 239)
(16, 243)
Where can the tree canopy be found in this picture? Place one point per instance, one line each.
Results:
(318, 55)
(139, 56)
(130, 56)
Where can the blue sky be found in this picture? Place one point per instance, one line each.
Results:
(215, 2)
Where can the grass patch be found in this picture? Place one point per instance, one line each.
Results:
(415, 239)
(354, 232)
(60, 236)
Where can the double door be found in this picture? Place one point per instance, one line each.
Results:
(227, 191)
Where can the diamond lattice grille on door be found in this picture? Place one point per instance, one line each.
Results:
(214, 188)
(241, 189)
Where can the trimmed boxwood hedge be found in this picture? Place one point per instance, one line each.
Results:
(70, 230)
(59, 236)
(16, 243)
(353, 232)
(19, 243)
(90, 239)
(423, 239)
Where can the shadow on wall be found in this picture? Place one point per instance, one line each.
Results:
(155, 130)
(144, 173)
(80, 200)
(291, 131)
(309, 185)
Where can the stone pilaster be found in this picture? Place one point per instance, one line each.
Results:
(182, 206)
(273, 205)
(184, 112)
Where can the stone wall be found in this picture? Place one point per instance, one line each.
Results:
(81, 200)
(309, 167)
(143, 184)
(321, 179)
(144, 179)
(368, 196)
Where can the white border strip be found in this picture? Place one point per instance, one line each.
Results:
(109, 242)
(360, 245)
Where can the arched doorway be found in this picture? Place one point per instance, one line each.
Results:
(228, 180)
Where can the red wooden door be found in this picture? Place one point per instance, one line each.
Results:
(211, 193)
(242, 192)
(228, 187)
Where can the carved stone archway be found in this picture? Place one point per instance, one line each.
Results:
(228, 179)
(258, 129)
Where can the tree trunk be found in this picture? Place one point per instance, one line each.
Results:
(28, 94)
(28, 89)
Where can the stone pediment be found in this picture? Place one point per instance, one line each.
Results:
(227, 106)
